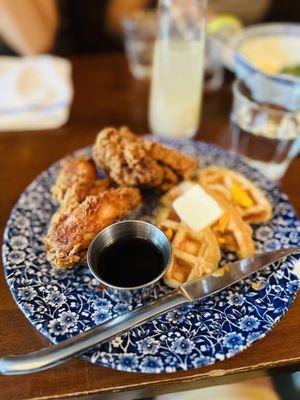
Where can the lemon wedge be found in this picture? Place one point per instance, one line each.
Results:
(226, 24)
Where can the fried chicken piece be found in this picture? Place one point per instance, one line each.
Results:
(73, 226)
(176, 161)
(74, 171)
(78, 192)
(133, 161)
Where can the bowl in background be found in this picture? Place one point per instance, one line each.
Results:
(267, 49)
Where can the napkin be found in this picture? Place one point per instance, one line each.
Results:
(35, 92)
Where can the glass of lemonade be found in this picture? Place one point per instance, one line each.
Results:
(178, 64)
(265, 132)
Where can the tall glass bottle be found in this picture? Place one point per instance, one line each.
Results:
(178, 64)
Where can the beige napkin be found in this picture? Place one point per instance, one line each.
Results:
(35, 92)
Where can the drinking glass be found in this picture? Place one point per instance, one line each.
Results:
(139, 36)
(214, 70)
(265, 132)
(177, 75)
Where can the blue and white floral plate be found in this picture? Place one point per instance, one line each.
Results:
(62, 304)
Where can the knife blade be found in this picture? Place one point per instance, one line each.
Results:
(230, 274)
(188, 292)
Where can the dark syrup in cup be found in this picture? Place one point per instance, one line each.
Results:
(129, 262)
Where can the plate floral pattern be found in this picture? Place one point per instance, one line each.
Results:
(63, 304)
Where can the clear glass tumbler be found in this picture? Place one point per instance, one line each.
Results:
(178, 64)
(265, 132)
(214, 70)
(139, 34)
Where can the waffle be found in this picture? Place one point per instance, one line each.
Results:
(195, 254)
(250, 201)
(231, 231)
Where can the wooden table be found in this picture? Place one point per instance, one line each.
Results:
(105, 94)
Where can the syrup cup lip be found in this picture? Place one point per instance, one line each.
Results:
(133, 228)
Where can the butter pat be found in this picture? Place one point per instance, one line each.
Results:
(196, 208)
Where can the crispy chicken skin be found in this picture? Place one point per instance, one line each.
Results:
(74, 225)
(78, 192)
(133, 161)
(74, 171)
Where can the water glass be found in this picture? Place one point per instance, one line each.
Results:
(265, 132)
(139, 35)
(214, 70)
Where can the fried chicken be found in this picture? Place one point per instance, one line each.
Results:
(74, 171)
(133, 161)
(75, 224)
(78, 192)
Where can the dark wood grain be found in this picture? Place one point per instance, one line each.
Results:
(105, 94)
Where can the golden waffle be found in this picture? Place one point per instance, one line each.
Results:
(250, 201)
(195, 254)
(231, 231)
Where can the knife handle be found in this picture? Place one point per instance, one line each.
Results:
(53, 355)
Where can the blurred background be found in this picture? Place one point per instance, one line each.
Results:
(69, 28)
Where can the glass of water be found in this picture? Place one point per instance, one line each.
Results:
(139, 34)
(265, 132)
(213, 68)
